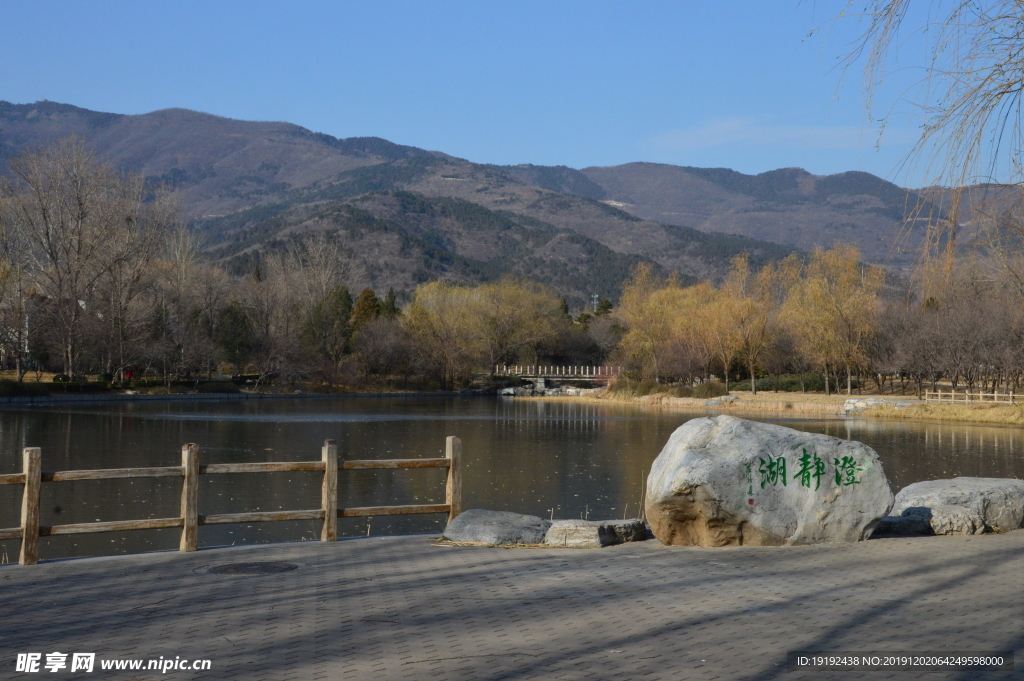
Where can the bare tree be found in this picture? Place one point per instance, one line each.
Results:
(968, 95)
(16, 298)
(78, 221)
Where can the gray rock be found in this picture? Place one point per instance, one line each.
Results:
(948, 519)
(715, 401)
(936, 520)
(594, 534)
(726, 481)
(858, 405)
(502, 528)
(903, 526)
(999, 501)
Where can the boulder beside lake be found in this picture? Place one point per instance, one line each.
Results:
(726, 481)
(500, 528)
(594, 534)
(935, 520)
(999, 501)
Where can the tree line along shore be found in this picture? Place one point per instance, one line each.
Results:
(101, 285)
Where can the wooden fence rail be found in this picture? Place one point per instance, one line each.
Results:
(953, 397)
(32, 477)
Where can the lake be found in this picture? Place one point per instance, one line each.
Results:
(562, 458)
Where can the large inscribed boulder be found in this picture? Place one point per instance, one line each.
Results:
(999, 501)
(726, 481)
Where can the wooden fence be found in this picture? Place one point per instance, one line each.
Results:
(953, 397)
(32, 477)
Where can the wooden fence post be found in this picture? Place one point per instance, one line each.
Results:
(189, 498)
(32, 466)
(453, 486)
(329, 492)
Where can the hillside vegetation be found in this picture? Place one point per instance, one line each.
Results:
(246, 184)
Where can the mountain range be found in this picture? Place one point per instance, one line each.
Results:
(407, 215)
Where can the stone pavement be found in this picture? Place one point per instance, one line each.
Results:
(402, 608)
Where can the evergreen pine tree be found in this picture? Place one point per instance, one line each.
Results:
(326, 330)
(367, 307)
(564, 307)
(389, 308)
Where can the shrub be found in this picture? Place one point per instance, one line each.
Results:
(647, 387)
(790, 383)
(639, 388)
(710, 389)
(683, 391)
(61, 378)
(619, 385)
(217, 387)
(15, 389)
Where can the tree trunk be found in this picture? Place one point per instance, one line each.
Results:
(849, 380)
(753, 383)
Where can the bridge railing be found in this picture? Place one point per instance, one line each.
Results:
(557, 371)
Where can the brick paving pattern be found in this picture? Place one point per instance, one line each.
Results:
(401, 608)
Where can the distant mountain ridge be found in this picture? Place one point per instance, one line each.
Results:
(249, 185)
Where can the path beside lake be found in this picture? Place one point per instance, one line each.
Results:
(403, 608)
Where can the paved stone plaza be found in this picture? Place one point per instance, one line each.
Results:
(402, 608)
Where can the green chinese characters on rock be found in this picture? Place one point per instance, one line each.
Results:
(811, 469)
(846, 471)
(773, 471)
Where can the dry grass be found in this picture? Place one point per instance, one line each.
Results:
(763, 402)
(978, 413)
(811, 404)
(30, 377)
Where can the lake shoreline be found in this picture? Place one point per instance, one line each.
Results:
(810, 404)
(803, 404)
(46, 400)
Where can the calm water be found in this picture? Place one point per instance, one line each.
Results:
(530, 457)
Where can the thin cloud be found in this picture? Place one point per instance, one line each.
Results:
(751, 132)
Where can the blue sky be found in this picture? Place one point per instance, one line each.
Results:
(738, 84)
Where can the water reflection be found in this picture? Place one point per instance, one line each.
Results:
(560, 458)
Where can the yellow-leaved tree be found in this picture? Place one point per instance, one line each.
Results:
(512, 319)
(649, 309)
(439, 318)
(833, 310)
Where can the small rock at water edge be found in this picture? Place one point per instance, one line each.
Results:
(500, 528)
(999, 501)
(594, 534)
(936, 520)
(726, 481)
